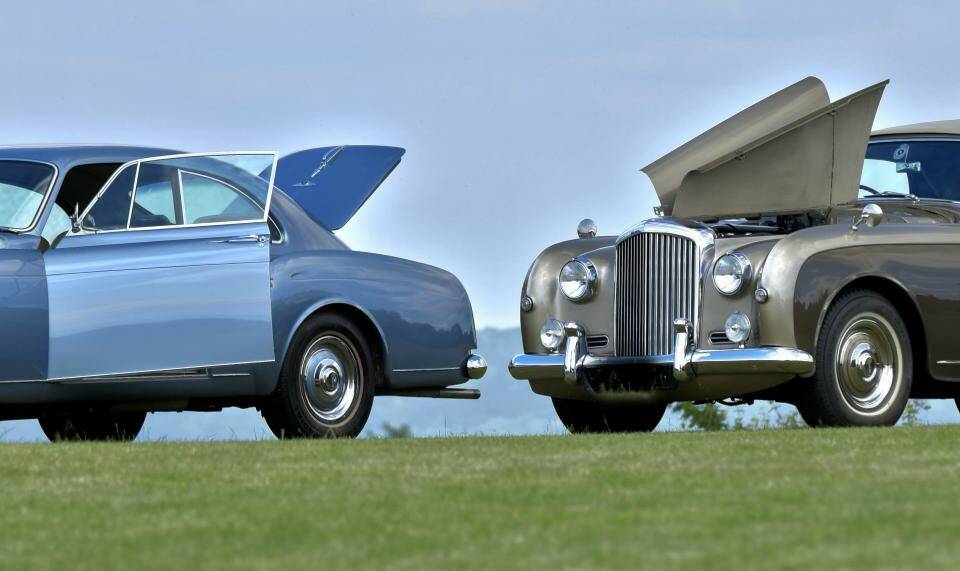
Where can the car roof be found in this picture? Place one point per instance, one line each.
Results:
(951, 127)
(66, 156)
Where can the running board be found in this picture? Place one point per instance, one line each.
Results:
(469, 394)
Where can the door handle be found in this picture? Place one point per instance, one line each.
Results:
(251, 239)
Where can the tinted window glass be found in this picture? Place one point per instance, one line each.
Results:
(58, 224)
(22, 188)
(111, 210)
(207, 200)
(153, 203)
(199, 189)
(928, 169)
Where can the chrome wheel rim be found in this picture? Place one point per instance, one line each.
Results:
(869, 364)
(330, 375)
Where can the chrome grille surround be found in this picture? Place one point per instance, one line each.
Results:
(661, 266)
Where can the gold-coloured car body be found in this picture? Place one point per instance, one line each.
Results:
(792, 154)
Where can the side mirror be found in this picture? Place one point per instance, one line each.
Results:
(587, 228)
(75, 218)
(871, 215)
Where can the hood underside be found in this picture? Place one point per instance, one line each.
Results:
(791, 152)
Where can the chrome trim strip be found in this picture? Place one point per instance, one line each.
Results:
(169, 227)
(949, 362)
(107, 378)
(46, 196)
(428, 370)
(183, 206)
(911, 138)
(702, 235)
(133, 195)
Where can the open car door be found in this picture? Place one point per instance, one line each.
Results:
(170, 270)
(332, 183)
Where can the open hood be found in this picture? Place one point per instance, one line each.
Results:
(793, 151)
(332, 183)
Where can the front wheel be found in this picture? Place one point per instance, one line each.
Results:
(587, 416)
(93, 426)
(864, 364)
(327, 382)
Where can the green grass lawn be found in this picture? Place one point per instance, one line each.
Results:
(803, 499)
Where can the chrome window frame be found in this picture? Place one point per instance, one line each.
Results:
(138, 162)
(99, 194)
(272, 223)
(46, 197)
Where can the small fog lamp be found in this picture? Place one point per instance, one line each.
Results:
(551, 335)
(737, 327)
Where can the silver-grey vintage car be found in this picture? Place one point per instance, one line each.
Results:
(781, 265)
(137, 279)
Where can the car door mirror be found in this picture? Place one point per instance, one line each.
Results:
(871, 215)
(75, 218)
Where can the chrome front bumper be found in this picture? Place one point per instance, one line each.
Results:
(685, 363)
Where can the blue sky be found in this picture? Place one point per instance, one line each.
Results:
(520, 117)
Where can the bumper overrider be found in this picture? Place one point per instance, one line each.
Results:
(686, 363)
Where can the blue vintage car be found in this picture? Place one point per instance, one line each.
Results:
(138, 279)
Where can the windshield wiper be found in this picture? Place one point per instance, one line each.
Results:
(888, 193)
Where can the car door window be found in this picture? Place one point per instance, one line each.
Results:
(185, 190)
(154, 204)
(111, 209)
(208, 200)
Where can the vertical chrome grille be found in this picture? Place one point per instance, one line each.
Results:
(657, 282)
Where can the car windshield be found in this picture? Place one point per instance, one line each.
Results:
(23, 186)
(926, 169)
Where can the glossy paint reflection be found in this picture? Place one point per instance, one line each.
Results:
(132, 302)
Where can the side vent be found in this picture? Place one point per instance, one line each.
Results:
(597, 341)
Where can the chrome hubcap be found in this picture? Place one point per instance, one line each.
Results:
(330, 375)
(869, 363)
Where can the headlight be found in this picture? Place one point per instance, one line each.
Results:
(737, 327)
(551, 335)
(730, 272)
(578, 279)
